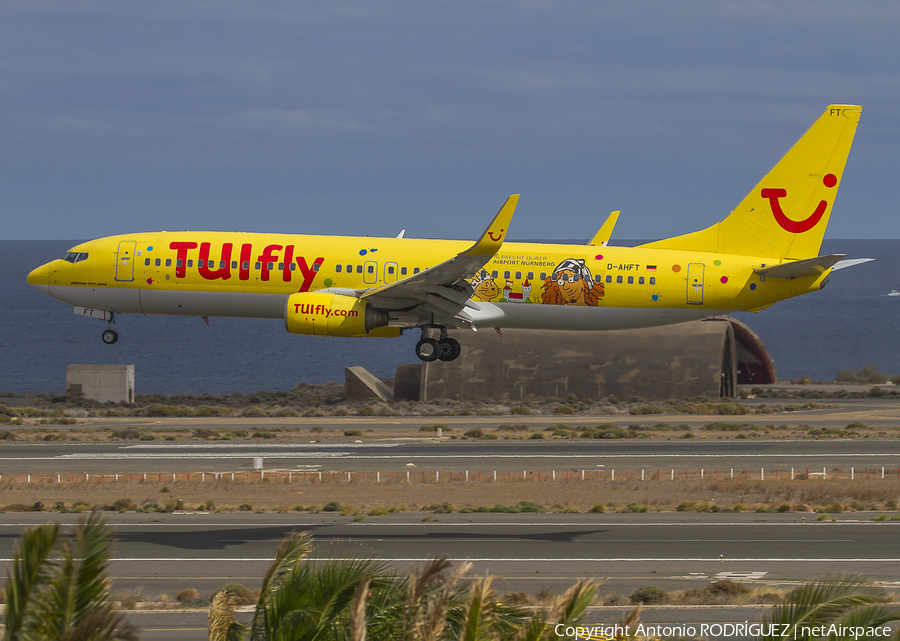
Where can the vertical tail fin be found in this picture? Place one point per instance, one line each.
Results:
(786, 214)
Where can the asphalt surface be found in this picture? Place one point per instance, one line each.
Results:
(165, 553)
(433, 454)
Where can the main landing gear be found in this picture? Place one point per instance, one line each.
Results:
(110, 335)
(445, 349)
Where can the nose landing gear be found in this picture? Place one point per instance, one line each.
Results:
(445, 349)
(110, 335)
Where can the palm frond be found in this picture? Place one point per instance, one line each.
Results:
(821, 602)
(292, 550)
(358, 611)
(222, 625)
(535, 629)
(475, 623)
(105, 625)
(570, 608)
(31, 567)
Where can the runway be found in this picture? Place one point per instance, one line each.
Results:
(164, 553)
(434, 454)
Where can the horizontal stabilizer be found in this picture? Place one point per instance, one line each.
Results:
(850, 262)
(798, 268)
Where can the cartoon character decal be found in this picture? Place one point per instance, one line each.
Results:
(572, 283)
(485, 287)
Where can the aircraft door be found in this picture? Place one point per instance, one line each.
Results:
(370, 272)
(390, 272)
(695, 283)
(125, 261)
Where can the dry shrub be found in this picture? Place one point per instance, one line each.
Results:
(188, 594)
(517, 598)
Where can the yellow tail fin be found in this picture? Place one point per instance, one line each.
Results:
(786, 214)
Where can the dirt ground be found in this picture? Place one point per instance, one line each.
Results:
(560, 495)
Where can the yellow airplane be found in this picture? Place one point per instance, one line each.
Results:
(766, 250)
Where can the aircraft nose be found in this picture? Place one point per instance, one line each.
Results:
(40, 279)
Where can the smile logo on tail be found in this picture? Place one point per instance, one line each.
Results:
(499, 235)
(797, 226)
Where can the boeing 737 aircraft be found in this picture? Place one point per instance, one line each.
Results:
(766, 250)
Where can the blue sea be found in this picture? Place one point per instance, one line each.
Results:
(849, 324)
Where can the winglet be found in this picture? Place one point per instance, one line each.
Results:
(492, 239)
(603, 235)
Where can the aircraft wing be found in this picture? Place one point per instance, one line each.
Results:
(797, 268)
(442, 289)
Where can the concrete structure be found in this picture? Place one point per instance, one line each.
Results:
(704, 358)
(360, 385)
(104, 383)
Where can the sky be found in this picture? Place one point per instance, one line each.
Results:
(364, 117)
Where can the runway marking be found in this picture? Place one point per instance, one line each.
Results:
(747, 576)
(829, 524)
(113, 456)
(201, 446)
(715, 559)
(400, 539)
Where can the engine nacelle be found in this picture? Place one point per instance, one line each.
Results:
(324, 314)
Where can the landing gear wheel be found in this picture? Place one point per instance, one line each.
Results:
(450, 349)
(110, 336)
(428, 349)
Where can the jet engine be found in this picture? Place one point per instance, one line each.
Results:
(324, 314)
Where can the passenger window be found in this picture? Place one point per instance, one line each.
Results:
(337, 268)
(653, 280)
(518, 275)
(315, 267)
(168, 262)
(641, 280)
(494, 274)
(270, 266)
(371, 269)
(543, 275)
(608, 278)
(179, 262)
(200, 263)
(505, 274)
(147, 262)
(415, 270)
(281, 267)
(221, 264)
(245, 264)
(403, 271)
(619, 279)
(530, 276)
(234, 264)
(293, 266)
(349, 269)
(631, 280)
(391, 269)
(158, 261)
(258, 265)
(190, 262)
(359, 269)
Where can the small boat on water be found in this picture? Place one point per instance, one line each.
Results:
(893, 292)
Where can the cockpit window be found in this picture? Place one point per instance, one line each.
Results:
(74, 257)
